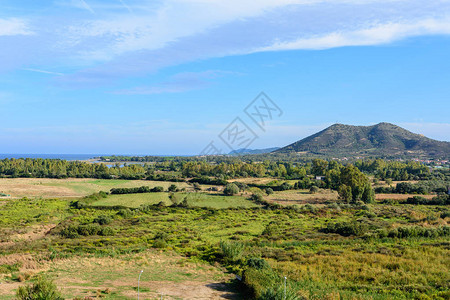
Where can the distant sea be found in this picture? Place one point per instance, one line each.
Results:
(53, 156)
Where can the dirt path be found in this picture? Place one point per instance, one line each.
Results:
(162, 289)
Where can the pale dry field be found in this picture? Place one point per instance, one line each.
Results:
(71, 187)
(399, 196)
(302, 197)
(253, 180)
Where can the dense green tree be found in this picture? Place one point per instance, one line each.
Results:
(231, 189)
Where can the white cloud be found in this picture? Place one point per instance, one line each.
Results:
(132, 38)
(42, 71)
(80, 4)
(375, 35)
(14, 26)
(166, 23)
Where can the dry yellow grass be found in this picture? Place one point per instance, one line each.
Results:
(71, 187)
(167, 274)
(399, 196)
(253, 180)
(302, 197)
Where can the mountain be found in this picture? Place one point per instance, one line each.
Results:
(383, 139)
(244, 151)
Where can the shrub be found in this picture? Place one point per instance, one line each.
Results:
(231, 189)
(314, 189)
(137, 190)
(345, 192)
(259, 280)
(285, 186)
(334, 205)
(42, 289)
(172, 188)
(125, 213)
(258, 198)
(107, 231)
(73, 231)
(417, 231)
(445, 214)
(103, 220)
(231, 250)
(257, 263)
(242, 186)
(277, 293)
(311, 208)
(157, 189)
(160, 244)
(346, 228)
(70, 232)
(269, 191)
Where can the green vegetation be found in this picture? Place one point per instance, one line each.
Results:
(194, 199)
(383, 139)
(368, 251)
(315, 222)
(138, 190)
(231, 189)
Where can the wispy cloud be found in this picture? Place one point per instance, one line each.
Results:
(43, 71)
(126, 6)
(181, 82)
(158, 34)
(14, 26)
(374, 35)
(81, 4)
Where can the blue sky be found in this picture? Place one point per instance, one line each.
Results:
(166, 77)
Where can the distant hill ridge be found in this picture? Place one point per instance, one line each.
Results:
(383, 139)
(243, 151)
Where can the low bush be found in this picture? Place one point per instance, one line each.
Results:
(103, 220)
(231, 189)
(257, 263)
(73, 231)
(42, 289)
(231, 250)
(346, 228)
(418, 231)
(137, 190)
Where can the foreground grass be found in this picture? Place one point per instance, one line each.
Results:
(115, 277)
(318, 265)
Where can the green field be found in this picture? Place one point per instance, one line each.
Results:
(194, 200)
(332, 250)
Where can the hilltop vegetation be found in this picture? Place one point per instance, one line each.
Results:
(383, 140)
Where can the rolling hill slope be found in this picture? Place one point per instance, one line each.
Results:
(383, 139)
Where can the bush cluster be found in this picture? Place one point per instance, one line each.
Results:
(346, 228)
(42, 289)
(416, 231)
(438, 200)
(73, 231)
(137, 190)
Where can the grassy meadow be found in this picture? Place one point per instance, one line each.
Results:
(194, 200)
(325, 248)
